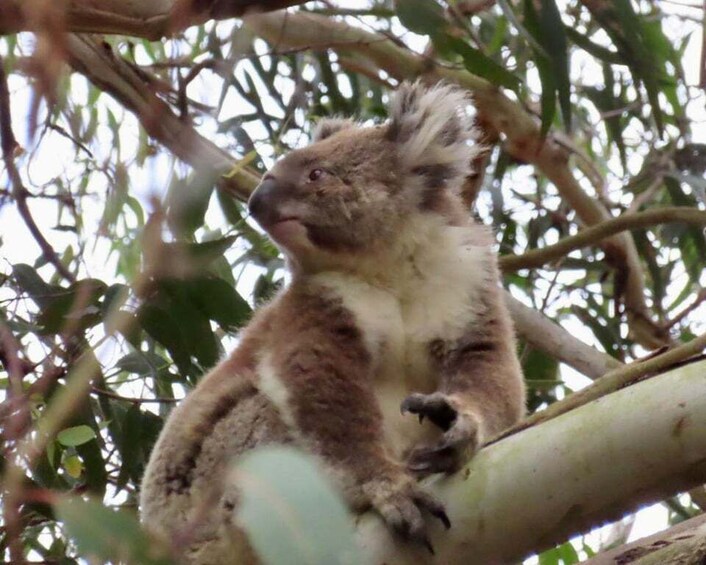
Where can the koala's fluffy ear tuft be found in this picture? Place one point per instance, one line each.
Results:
(434, 133)
(326, 127)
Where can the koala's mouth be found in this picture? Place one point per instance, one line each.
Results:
(286, 223)
(285, 220)
(287, 229)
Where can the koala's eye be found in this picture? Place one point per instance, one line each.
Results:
(316, 174)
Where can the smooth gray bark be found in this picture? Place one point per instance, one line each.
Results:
(582, 469)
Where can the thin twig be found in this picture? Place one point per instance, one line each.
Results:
(700, 299)
(61, 131)
(9, 143)
(115, 396)
(597, 233)
(12, 424)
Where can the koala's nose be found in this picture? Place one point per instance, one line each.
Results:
(260, 203)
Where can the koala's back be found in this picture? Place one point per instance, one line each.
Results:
(185, 493)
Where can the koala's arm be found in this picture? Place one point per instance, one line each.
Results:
(320, 375)
(481, 390)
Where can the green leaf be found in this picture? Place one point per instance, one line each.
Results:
(30, 282)
(193, 324)
(175, 318)
(510, 15)
(107, 535)
(538, 365)
(564, 554)
(425, 17)
(542, 373)
(553, 39)
(71, 437)
(199, 255)
(117, 197)
(114, 297)
(73, 466)
(290, 512)
(130, 446)
(478, 63)
(162, 327)
(544, 67)
(608, 338)
(77, 305)
(692, 243)
(229, 207)
(641, 49)
(142, 363)
(219, 301)
(188, 201)
(606, 103)
(599, 52)
(499, 38)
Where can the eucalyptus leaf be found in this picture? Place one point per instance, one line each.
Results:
(76, 435)
(291, 513)
(421, 16)
(108, 535)
(478, 63)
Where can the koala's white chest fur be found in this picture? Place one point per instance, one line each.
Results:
(430, 295)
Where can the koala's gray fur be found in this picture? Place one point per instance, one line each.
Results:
(394, 302)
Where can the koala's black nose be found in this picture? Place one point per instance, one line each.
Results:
(261, 200)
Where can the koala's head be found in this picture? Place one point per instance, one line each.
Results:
(354, 188)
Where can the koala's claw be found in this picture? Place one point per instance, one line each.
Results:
(461, 438)
(425, 461)
(402, 510)
(434, 406)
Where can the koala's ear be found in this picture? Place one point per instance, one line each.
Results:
(326, 127)
(434, 133)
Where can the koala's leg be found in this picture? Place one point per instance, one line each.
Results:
(185, 498)
(319, 373)
(481, 390)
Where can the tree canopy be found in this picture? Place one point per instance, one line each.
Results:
(133, 133)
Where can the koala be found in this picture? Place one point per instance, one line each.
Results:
(394, 310)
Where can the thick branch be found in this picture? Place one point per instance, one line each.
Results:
(539, 487)
(543, 334)
(151, 20)
(684, 543)
(618, 378)
(94, 59)
(595, 234)
(522, 131)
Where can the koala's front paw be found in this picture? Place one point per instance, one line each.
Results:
(461, 439)
(401, 503)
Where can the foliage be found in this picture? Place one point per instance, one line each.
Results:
(163, 267)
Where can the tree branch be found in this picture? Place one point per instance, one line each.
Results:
(12, 423)
(95, 60)
(543, 334)
(683, 543)
(545, 484)
(150, 20)
(595, 234)
(615, 380)
(132, 399)
(19, 193)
